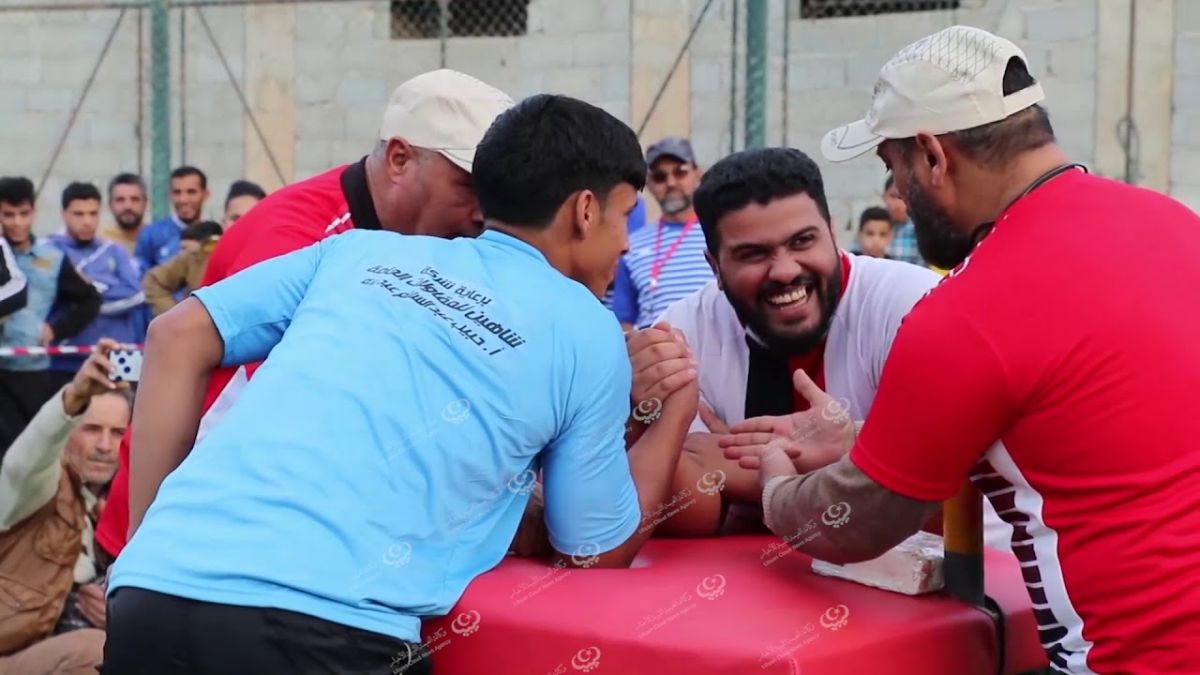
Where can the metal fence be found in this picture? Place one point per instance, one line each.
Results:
(99, 86)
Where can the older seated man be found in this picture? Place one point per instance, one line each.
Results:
(52, 488)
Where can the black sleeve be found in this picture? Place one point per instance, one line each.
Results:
(77, 301)
(12, 303)
(12, 292)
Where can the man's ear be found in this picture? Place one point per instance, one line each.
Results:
(933, 153)
(712, 264)
(585, 213)
(399, 158)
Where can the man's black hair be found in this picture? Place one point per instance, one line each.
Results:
(16, 190)
(185, 171)
(77, 191)
(244, 188)
(126, 179)
(760, 176)
(546, 148)
(201, 231)
(874, 213)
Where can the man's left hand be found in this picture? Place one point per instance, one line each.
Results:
(810, 439)
(91, 604)
(92, 379)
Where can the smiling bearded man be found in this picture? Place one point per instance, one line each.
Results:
(788, 307)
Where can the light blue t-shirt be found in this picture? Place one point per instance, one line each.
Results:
(382, 456)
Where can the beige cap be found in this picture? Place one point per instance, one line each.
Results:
(443, 110)
(949, 81)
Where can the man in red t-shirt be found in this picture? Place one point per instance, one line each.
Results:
(416, 180)
(1057, 366)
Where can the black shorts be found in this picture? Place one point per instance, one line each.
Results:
(152, 633)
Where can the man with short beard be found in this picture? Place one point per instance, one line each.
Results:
(1082, 366)
(664, 262)
(785, 301)
(127, 202)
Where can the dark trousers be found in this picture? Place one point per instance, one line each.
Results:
(152, 634)
(22, 394)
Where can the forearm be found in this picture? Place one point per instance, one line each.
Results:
(32, 466)
(652, 463)
(182, 348)
(839, 514)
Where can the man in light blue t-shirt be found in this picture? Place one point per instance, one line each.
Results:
(383, 455)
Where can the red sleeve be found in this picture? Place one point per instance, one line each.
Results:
(261, 234)
(113, 525)
(944, 397)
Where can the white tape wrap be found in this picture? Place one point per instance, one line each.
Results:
(912, 568)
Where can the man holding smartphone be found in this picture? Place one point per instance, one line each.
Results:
(52, 487)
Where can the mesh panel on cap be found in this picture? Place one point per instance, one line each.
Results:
(962, 52)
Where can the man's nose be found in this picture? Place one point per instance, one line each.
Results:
(784, 269)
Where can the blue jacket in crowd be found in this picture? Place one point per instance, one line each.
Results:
(56, 295)
(158, 242)
(109, 269)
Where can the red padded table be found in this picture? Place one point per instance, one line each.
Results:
(721, 606)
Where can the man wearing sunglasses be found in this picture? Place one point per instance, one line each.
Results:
(665, 262)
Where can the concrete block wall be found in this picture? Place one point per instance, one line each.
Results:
(1185, 138)
(608, 52)
(347, 65)
(42, 79)
(832, 65)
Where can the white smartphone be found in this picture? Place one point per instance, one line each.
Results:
(128, 364)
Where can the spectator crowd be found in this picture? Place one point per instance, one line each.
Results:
(486, 277)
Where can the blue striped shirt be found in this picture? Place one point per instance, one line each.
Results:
(635, 301)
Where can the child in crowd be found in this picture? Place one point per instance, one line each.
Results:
(874, 232)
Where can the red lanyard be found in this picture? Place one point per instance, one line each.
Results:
(661, 262)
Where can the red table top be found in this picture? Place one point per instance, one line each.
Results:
(719, 606)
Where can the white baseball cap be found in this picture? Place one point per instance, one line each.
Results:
(949, 81)
(445, 111)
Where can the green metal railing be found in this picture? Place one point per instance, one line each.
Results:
(756, 73)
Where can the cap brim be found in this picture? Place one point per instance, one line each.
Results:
(849, 141)
(461, 158)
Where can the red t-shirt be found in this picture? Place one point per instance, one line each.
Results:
(289, 219)
(1072, 336)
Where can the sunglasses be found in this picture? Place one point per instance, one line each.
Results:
(680, 172)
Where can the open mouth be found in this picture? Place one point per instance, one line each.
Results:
(791, 298)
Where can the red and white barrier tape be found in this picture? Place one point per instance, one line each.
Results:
(58, 350)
